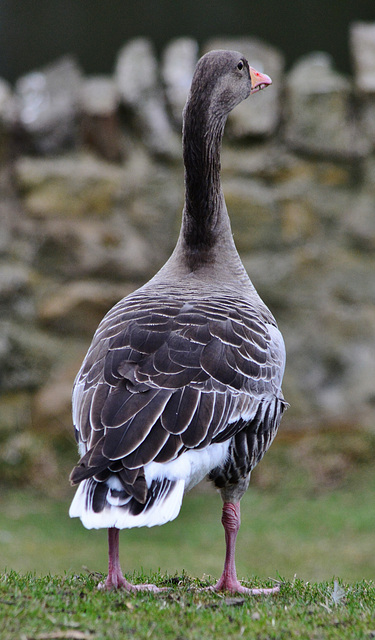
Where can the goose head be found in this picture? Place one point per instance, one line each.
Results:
(222, 80)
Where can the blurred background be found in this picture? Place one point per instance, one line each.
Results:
(94, 31)
(91, 184)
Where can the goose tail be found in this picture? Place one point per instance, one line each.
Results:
(100, 505)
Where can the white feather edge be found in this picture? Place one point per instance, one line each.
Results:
(187, 470)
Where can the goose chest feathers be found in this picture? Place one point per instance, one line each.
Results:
(183, 376)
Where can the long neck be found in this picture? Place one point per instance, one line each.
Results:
(205, 238)
(204, 200)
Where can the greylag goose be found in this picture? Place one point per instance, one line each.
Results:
(183, 376)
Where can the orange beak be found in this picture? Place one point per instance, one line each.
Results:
(258, 80)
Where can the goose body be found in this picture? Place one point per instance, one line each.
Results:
(183, 376)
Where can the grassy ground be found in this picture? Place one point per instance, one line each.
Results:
(49, 608)
(308, 517)
(307, 512)
(316, 538)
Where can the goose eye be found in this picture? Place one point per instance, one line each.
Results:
(240, 65)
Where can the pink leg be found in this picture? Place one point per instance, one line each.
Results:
(115, 578)
(231, 520)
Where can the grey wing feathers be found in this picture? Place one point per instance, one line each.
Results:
(157, 381)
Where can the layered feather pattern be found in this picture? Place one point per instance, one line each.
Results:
(169, 375)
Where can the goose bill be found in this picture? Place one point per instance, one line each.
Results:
(258, 80)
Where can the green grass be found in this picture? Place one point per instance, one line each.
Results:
(308, 517)
(303, 514)
(72, 607)
(316, 538)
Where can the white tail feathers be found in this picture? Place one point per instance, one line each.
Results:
(165, 507)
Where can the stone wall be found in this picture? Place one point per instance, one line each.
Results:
(91, 185)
